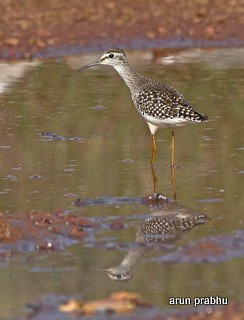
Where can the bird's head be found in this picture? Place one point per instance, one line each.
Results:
(112, 57)
(119, 274)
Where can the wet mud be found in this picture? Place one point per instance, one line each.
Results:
(209, 250)
(41, 231)
(46, 231)
(125, 305)
(50, 231)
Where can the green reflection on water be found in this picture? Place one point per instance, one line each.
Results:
(37, 174)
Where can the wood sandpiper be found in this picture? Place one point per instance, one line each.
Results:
(159, 104)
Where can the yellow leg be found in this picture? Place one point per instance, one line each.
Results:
(172, 149)
(173, 180)
(155, 179)
(172, 160)
(154, 150)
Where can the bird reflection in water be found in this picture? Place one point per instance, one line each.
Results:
(163, 227)
(155, 180)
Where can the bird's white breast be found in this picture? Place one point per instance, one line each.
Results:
(154, 123)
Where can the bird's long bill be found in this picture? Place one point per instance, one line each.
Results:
(98, 269)
(89, 65)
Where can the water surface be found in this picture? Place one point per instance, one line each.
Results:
(103, 148)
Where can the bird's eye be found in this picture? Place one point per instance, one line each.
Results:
(118, 276)
(111, 56)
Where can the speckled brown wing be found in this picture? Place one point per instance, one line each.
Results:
(164, 102)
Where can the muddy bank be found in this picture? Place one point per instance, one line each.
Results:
(41, 231)
(48, 231)
(30, 29)
(125, 305)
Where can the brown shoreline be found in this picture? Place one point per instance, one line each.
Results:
(30, 27)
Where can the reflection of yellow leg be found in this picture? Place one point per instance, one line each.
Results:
(154, 150)
(155, 179)
(172, 149)
(172, 161)
(173, 180)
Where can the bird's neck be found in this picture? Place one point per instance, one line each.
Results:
(133, 256)
(132, 79)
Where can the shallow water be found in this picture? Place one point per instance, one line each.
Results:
(103, 149)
